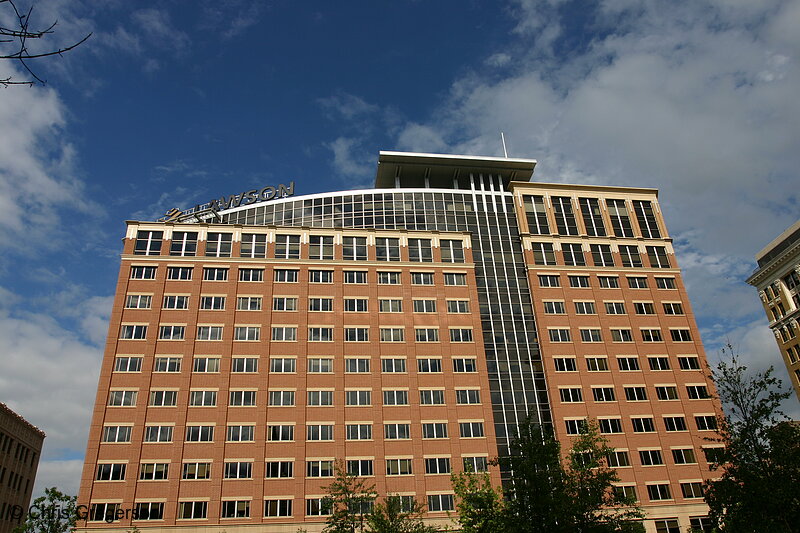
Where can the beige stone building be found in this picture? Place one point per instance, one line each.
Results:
(20, 449)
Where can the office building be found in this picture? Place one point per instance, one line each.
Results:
(777, 279)
(404, 331)
(20, 448)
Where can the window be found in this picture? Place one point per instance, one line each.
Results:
(127, 364)
(565, 364)
(426, 334)
(176, 273)
(320, 365)
(354, 248)
(248, 303)
(651, 335)
(320, 247)
(254, 245)
(387, 249)
(684, 456)
(643, 424)
(536, 215)
(621, 335)
(615, 308)
(549, 281)
(356, 334)
(601, 255)
(320, 334)
(358, 397)
(692, 489)
(565, 218)
(163, 398)
(476, 464)
(424, 306)
(651, 457)
(647, 219)
(283, 364)
(675, 423)
(352, 365)
(240, 433)
(320, 398)
(356, 305)
(581, 282)
(319, 468)
(218, 244)
(176, 302)
(149, 510)
(287, 246)
(636, 394)
(701, 523)
(468, 396)
(153, 471)
(242, 398)
(148, 243)
(279, 469)
(158, 433)
(603, 394)
(665, 283)
(280, 433)
(395, 397)
(398, 467)
(206, 364)
(465, 365)
(360, 467)
(215, 274)
(608, 282)
(455, 279)
(355, 277)
(607, 425)
(680, 335)
(167, 364)
(209, 333)
(437, 465)
(392, 335)
(236, 509)
(673, 308)
(393, 365)
(576, 426)
(390, 306)
(283, 398)
(585, 308)
(358, 431)
(688, 362)
(282, 275)
(628, 364)
(284, 333)
(429, 365)
(388, 278)
(618, 459)
(145, 272)
(644, 308)
(213, 303)
(592, 217)
(620, 221)
(422, 278)
(192, 510)
(543, 253)
(659, 492)
(573, 254)
(318, 506)
(396, 431)
(559, 335)
(630, 255)
(460, 335)
(626, 492)
(637, 282)
(657, 255)
(434, 430)
(658, 363)
(199, 433)
(117, 433)
(122, 398)
(554, 308)
(203, 398)
(420, 251)
(196, 471)
(591, 335)
(569, 395)
(320, 276)
(320, 304)
(667, 392)
(247, 333)
(319, 432)
(133, 332)
(431, 397)
(138, 301)
(284, 303)
(440, 503)
(697, 392)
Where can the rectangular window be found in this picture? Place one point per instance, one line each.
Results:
(284, 303)
(673, 308)
(395, 397)
(426, 334)
(353, 365)
(392, 335)
(320, 304)
(358, 431)
(620, 221)
(215, 274)
(597, 364)
(549, 281)
(280, 433)
(320, 334)
(585, 308)
(601, 255)
(420, 250)
(254, 245)
(319, 432)
(576, 426)
(565, 364)
(608, 282)
(320, 365)
(153, 471)
(536, 215)
(251, 274)
(354, 248)
(607, 425)
(554, 308)
(658, 363)
(283, 364)
(196, 471)
(614, 308)
(455, 279)
(167, 364)
(212, 303)
(424, 306)
(199, 433)
(680, 335)
(247, 333)
(651, 335)
(657, 255)
(684, 456)
(396, 431)
(175, 302)
(148, 243)
(437, 465)
(178, 273)
(476, 464)
(356, 334)
(689, 362)
(127, 364)
(630, 255)
(143, 272)
(398, 467)
(465, 365)
(644, 308)
(621, 335)
(667, 392)
(209, 333)
(171, 333)
(692, 490)
(393, 365)
(643, 424)
(236, 509)
(543, 253)
(651, 457)
(248, 303)
(579, 281)
(163, 398)
(192, 510)
(452, 251)
(287, 246)
(697, 392)
(149, 510)
(282, 275)
(387, 249)
(138, 301)
(431, 397)
(636, 394)
(460, 335)
(571, 395)
(573, 254)
(206, 364)
(388, 278)
(440, 503)
(319, 468)
(591, 335)
(242, 398)
(659, 492)
(320, 276)
(117, 433)
(218, 244)
(356, 305)
(283, 398)
(358, 397)
(422, 278)
(279, 469)
(665, 283)
(273, 508)
(468, 396)
(559, 335)
(565, 218)
(284, 333)
(618, 459)
(637, 282)
(647, 219)
(320, 398)
(318, 506)
(133, 332)
(360, 467)
(240, 433)
(320, 247)
(390, 306)
(184, 243)
(203, 398)
(592, 217)
(628, 364)
(434, 430)
(675, 423)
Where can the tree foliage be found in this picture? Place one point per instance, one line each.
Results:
(55, 512)
(760, 460)
(351, 501)
(390, 516)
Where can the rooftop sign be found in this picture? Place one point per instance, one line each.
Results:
(203, 212)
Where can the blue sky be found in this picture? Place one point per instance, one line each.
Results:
(171, 103)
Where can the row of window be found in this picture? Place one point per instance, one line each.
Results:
(626, 363)
(641, 424)
(652, 457)
(315, 365)
(587, 307)
(556, 334)
(663, 491)
(573, 254)
(320, 247)
(286, 432)
(637, 393)
(20, 452)
(14, 481)
(284, 275)
(174, 332)
(290, 303)
(605, 282)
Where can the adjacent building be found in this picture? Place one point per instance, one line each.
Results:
(777, 279)
(402, 331)
(20, 449)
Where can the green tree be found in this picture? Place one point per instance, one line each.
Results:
(480, 505)
(760, 460)
(351, 501)
(55, 512)
(390, 516)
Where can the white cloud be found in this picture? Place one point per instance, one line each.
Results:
(351, 161)
(347, 106)
(65, 475)
(499, 59)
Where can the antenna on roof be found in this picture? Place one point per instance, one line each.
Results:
(503, 138)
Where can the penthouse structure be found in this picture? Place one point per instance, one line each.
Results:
(20, 449)
(405, 331)
(777, 279)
